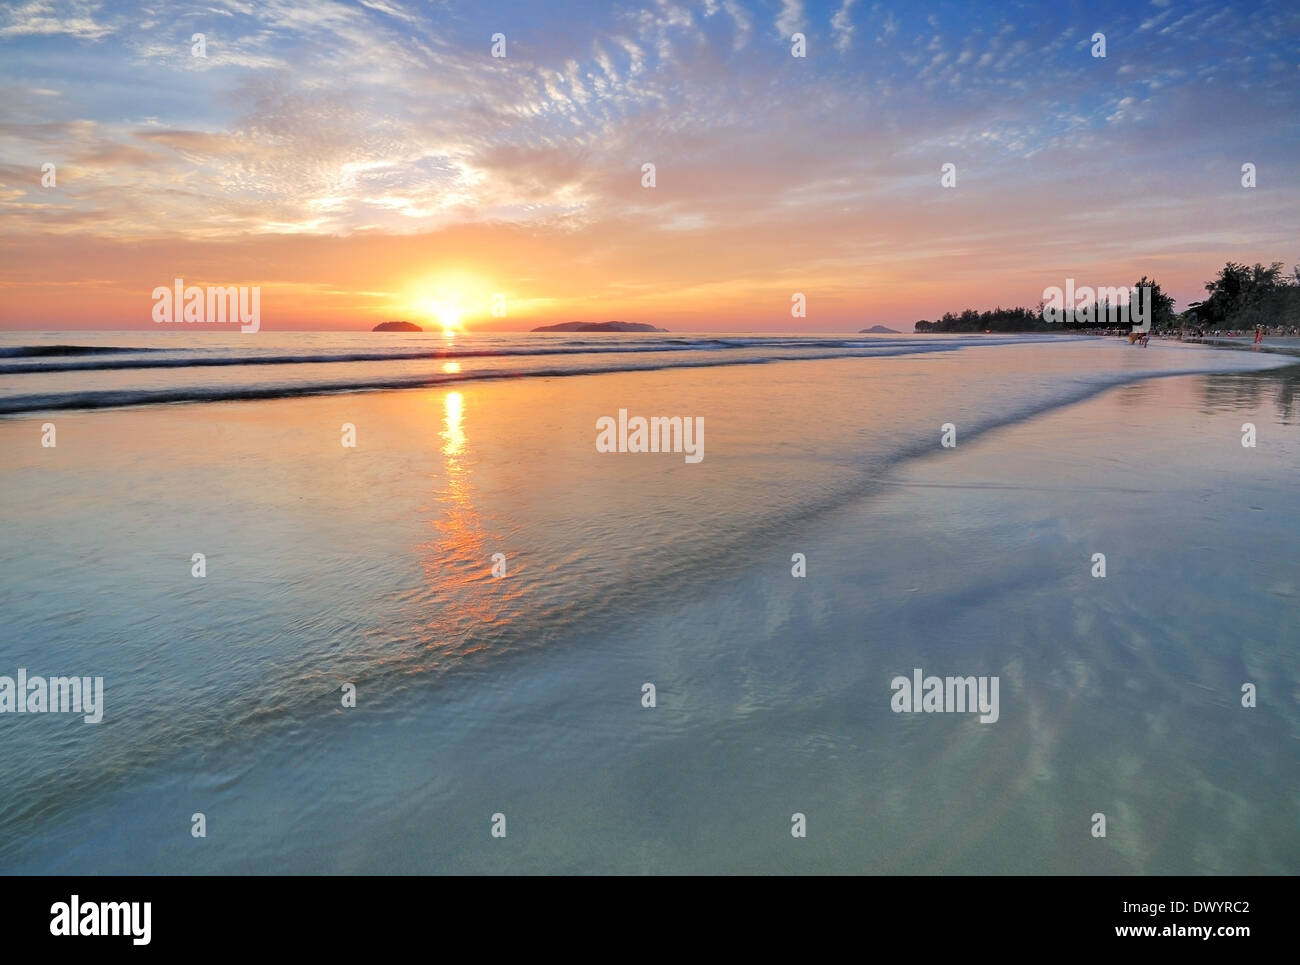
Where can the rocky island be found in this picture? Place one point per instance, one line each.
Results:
(397, 327)
(599, 327)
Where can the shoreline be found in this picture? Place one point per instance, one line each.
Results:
(747, 658)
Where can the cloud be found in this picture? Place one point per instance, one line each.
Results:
(49, 18)
(743, 22)
(842, 27)
(790, 19)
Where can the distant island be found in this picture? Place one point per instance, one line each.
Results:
(878, 330)
(397, 327)
(599, 327)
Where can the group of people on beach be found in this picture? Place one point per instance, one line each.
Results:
(1196, 334)
(1260, 331)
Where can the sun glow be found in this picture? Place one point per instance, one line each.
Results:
(444, 312)
(450, 299)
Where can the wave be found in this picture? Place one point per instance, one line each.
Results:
(114, 398)
(117, 398)
(30, 351)
(580, 347)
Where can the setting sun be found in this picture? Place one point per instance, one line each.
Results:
(449, 299)
(444, 312)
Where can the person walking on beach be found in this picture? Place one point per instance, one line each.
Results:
(1259, 334)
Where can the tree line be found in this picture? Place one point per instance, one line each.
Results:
(1239, 297)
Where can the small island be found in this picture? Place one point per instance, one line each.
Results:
(878, 330)
(599, 327)
(397, 327)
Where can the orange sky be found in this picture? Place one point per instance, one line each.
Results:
(374, 162)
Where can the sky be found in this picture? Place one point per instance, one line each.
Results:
(372, 160)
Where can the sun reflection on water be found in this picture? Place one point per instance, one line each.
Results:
(453, 435)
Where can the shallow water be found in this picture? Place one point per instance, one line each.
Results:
(522, 695)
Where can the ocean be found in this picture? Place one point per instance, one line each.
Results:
(348, 687)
